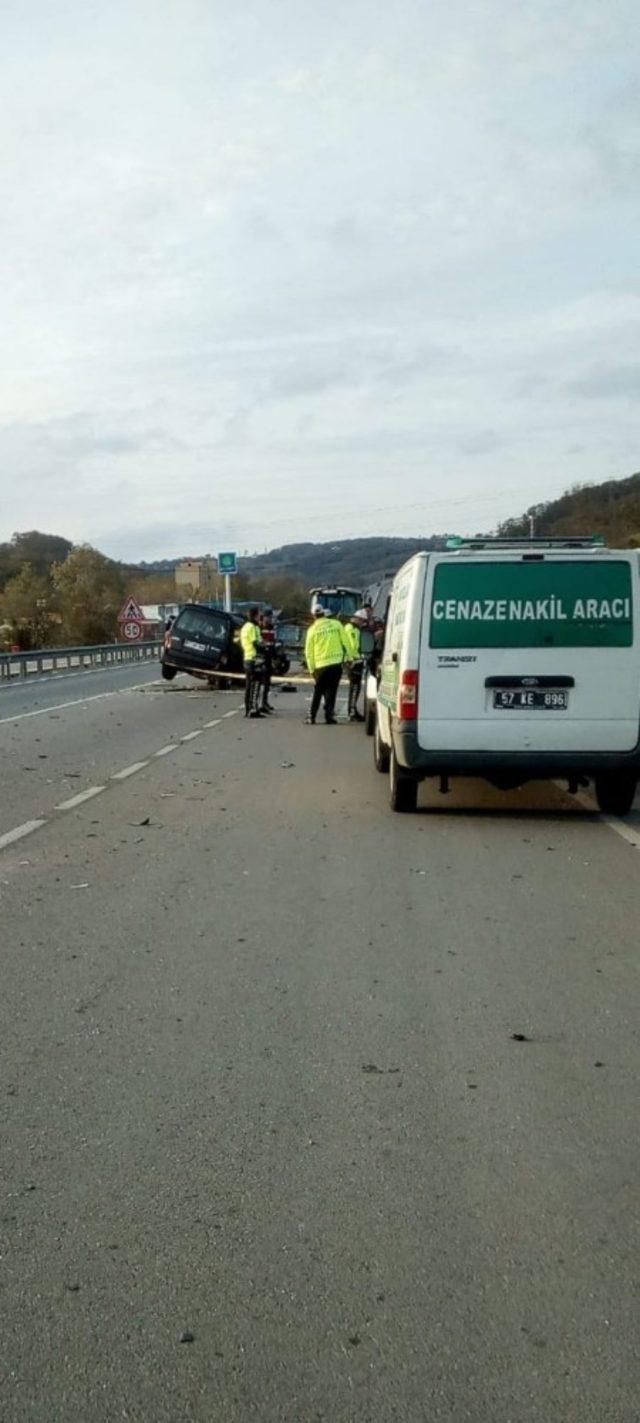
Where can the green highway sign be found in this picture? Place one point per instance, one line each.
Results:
(227, 563)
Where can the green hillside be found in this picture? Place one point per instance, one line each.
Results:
(354, 562)
(611, 509)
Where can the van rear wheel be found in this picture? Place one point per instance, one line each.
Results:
(403, 790)
(615, 793)
(380, 751)
(168, 672)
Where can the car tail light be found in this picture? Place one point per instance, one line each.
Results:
(408, 695)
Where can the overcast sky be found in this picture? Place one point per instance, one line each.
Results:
(301, 269)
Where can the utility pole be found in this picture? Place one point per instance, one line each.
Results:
(532, 525)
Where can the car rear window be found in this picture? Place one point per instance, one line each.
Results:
(555, 603)
(203, 624)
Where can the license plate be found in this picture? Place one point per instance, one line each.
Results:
(524, 699)
(195, 646)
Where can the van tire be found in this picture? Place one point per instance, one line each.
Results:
(380, 751)
(370, 718)
(168, 672)
(403, 790)
(615, 792)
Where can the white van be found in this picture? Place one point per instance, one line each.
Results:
(513, 660)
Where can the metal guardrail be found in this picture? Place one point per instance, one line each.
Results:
(54, 659)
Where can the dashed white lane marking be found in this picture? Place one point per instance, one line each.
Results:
(79, 702)
(19, 832)
(30, 825)
(80, 798)
(128, 771)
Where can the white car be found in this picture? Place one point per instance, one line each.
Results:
(370, 701)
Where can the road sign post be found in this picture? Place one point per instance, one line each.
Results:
(228, 565)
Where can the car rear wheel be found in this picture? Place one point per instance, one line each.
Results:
(380, 751)
(168, 672)
(615, 793)
(370, 718)
(403, 790)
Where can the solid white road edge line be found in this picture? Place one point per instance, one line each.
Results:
(20, 832)
(128, 771)
(80, 798)
(625, 832)
(79, 702)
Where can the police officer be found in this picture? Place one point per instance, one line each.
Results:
(251, 644)
(268, 635)
(325, 651)
(352, 632)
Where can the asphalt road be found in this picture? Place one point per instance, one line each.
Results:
(259, 1082)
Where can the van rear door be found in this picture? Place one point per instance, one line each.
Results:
(199, 637)
(530, 652)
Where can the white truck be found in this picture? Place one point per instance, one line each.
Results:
(513, 660)
(341, 602)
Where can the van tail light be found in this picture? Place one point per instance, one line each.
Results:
(408, 695)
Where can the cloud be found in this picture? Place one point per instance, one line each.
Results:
(610, 383)
(361, 249)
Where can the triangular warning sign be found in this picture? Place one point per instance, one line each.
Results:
(131, 612)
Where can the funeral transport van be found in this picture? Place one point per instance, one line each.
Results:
(513, 660)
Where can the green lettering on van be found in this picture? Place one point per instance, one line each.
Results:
(581, 603)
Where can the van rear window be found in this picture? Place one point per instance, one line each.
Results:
(576, 603)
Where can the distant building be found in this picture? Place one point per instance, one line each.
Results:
(156, 615)
(196, 578)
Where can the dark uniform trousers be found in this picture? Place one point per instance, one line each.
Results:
(253, 679)
(327, 681)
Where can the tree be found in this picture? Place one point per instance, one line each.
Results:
(39, 550)
(27, 605)
(91, 590)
